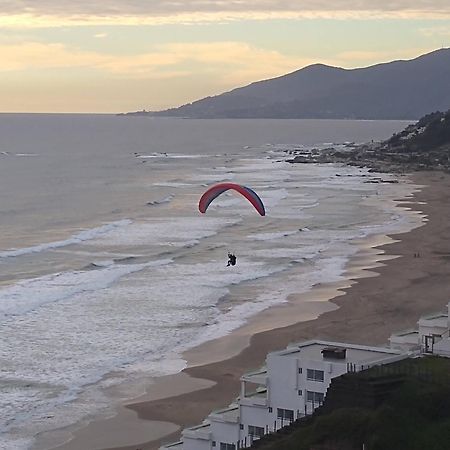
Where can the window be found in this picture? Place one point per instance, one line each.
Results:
(213, 443)
(300, 392)
(255, 432)
(299, 370)
(314, 397)
(241, 426)
(225, 446)
(314, 375)
(285, 414)
(270, 409)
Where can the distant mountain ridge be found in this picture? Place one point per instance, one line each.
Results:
(394, 90)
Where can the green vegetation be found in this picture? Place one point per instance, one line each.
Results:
(415, 415)
(430, 132)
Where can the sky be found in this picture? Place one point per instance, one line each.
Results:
(125, 55)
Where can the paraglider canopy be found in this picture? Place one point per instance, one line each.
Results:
(214, 191)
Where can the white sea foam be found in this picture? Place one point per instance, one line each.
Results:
(273, 196)
(78, 238)
(271, 236)
(167, 199)
(142, 321)
(179, 231)
(30, 294)
(171, 155)
(210, 178)
(327, 270)
(174, 184)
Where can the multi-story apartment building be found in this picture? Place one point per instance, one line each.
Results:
(293, 383)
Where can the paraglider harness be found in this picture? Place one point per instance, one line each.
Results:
(231, 260)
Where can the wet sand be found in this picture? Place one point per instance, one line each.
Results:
(388, 296)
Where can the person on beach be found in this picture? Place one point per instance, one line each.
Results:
(231, 260)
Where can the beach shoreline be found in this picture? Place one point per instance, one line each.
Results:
(347, 313)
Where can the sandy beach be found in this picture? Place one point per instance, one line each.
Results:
(390, 283)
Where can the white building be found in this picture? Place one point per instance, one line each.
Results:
(293, 383)
(432, 335)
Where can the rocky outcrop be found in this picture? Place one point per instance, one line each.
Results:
(424, 145)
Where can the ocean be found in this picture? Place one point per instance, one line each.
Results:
(108, 271)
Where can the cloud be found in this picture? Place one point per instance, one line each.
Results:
(438, 31)
(34, 55)
(229, 63)
(39, 56)
(361, 58)
(56, 13)
(236, 63)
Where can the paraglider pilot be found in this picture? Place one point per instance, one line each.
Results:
(231, 259)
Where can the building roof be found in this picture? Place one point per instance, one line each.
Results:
(439, 320)
(312, 351)
(202, 431)
(405, 337)
(174, 446)
(230, 414)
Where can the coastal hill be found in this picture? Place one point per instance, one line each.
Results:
(394, 90)
(424, 145)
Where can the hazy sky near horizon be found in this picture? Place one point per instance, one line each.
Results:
(124, 55)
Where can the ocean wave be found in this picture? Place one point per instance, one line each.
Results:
(91, 266)
(28, 295)
(98, 265)
(174, 184)
(84, 235)
(273, 235)
(125, 260)
(164, 231)
(167, 199)
(170, 155)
